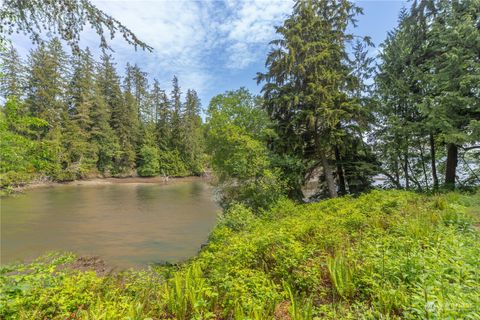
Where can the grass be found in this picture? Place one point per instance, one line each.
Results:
(383, 255)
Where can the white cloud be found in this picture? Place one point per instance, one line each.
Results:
(251, 28)
(254, 20)
(175, 30)
(187, 34)
(195, 40)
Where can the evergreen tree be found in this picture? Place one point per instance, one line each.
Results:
(452, 72)
(135, 92)
(136, 83)
(307, 83)
(102, 137)
(176, 114)
(12, 80)
(47, 82)
(121, 114)
(160, 104)
(83, 98)
(398, 116)
(193, 135)
(67, 18)
(426, 97)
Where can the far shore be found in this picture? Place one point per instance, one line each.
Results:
(107, 181)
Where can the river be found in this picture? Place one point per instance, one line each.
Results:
(125, 224)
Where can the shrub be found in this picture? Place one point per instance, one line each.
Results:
(149, 161)
(171, 164)
(237, 217)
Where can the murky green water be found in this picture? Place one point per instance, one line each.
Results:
(125, 224)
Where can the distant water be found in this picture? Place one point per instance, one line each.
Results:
(125, 224)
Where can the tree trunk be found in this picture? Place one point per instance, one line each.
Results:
(342, 189)
(420, 144)
(397, 172)
(332, 188)
(434, 165)
(452, 160)
(405, 171)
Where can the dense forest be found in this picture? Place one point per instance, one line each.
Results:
(329, 111)
(415, 126)
(71, 117)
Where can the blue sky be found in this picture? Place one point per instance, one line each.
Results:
(212, 46)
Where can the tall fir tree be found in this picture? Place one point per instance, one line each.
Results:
(83, 98)
(12, 80)
(193, 135)
(428, 106)
(307, 83)
(121, 114)
(453, 74)
(160, 104)
(176, 114)
(135, 97)
(47, 83)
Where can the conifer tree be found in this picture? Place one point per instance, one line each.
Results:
(160, 104)
(121, 113)
(12, 80)
(136, 83)
(102, 137)
(427, 100)
(67, 18)
(135, 97)
(307, 82)
(395, 110)
(77, 126)
(193, 135)
(454, 65)
(176, 114)
(47, 81)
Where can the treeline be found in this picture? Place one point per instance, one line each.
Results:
(428, 98)
(415, 126)
(69, 117)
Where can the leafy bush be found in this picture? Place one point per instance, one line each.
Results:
(237, 135)
(171, 164)
(149, 162)
(237, 218)
(21, 159)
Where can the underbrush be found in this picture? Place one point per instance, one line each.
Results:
(383, 255)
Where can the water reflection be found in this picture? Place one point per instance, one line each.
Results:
(125, 224)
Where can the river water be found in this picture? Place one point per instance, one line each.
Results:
(125, 224)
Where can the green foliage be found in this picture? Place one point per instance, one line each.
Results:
(38, 18)
(237, 218)
(237, 133)
(20, 153)
(427, 108)
(171, 164)
(341, 275)
(71, 118)
(383, 255)
(149, 162)
(315, 96)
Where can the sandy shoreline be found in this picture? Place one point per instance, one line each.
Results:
(106, 181)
